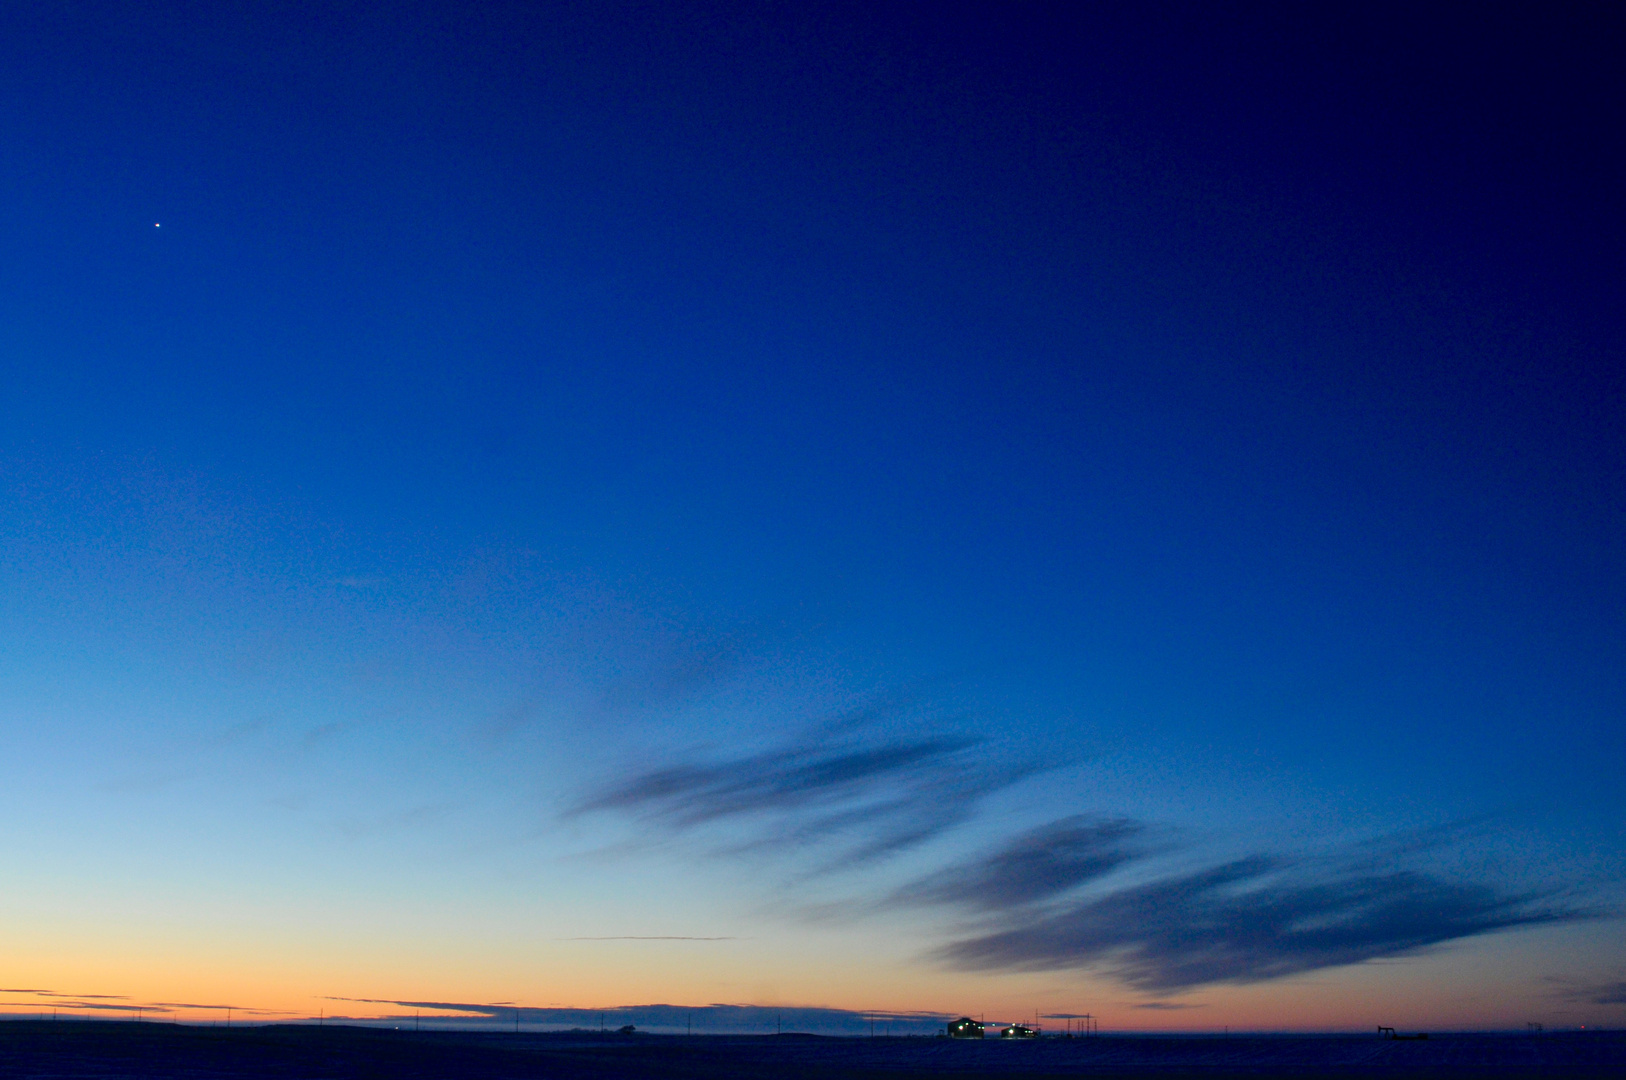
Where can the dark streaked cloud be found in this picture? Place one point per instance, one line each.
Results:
(858, 798)
(486, 1008)
(1610, 994)
(97, 997)
(104, 1002)
(1591, 993)
(1036, 866)
(1248, 921)
(1167, 1006)
(197, 1005)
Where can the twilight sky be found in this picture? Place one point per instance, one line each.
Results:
(933, 509)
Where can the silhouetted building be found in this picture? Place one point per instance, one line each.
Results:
(1019, 1031)
(965, 1028)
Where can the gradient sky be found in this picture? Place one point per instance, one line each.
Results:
(952, 508)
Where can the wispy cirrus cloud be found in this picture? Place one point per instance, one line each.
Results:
(857, 798)
(1085, 891)
(1036, 866)
(1249, 920)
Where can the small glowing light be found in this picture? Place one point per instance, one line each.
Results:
(156, 225)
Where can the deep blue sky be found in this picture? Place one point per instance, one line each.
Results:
(1217, 414)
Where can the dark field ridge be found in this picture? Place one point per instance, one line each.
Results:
(36, 1050)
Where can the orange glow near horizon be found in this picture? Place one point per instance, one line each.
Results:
(1463, 988)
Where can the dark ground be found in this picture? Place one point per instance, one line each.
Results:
(63, 1050)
